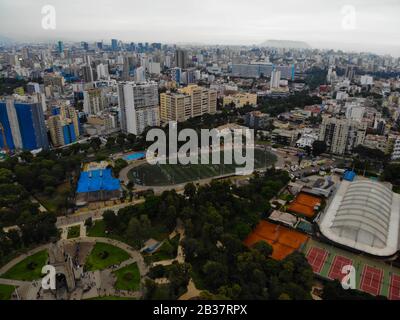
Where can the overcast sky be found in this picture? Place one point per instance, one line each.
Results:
(318, 22)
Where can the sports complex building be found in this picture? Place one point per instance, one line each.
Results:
(97, 185)
(363, 215)
(359, 228)
(355, 224)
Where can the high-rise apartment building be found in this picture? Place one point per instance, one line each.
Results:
(350, 72)
(189, 102)
(63, 125)
(181, 59)
(54, 80)
(342, 135)
(22, 123)
(140, 74)
(176, 75)
(102, 72)
(87, 73)
(139, 107)
(114, 44)
(93, 101)
(275, 79)
(60, 47)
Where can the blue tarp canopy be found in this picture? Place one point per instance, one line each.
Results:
(97, 180)
(349, 175)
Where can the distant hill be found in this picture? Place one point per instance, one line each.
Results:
(289, 44)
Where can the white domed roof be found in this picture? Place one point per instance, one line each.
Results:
(364, 215)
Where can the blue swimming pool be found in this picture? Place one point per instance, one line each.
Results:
(135, 156)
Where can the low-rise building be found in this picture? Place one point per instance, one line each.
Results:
(285, 137)
(257, 120)
(241, 99)
(376, 142)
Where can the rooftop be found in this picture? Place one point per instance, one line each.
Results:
(97, 180)
(364, 215)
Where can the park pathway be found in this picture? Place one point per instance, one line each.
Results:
(15, 283)
(192, 291)
(135, 254)
(23, 256)
(81, 217)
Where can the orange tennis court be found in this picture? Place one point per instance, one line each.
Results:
(305, 204)
(283, 240)
(371, 280)
(394, 292)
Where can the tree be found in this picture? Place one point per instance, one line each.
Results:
(110, 220)
(119, 164)
(89, 222)
(319, 147)
(215, 274)
(95, 143)
(134, 230)
(131, 138)
(179, 276)
(264, 248)
(333, 290)
(190, 190)
(392, 173)
(121, 139)
(49, 190)
(167, 248)
(6, 176)
(110, 142)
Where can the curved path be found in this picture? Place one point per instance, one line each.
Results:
(21, 257)
(135, 255)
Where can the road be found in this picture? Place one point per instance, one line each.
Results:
(77, 218)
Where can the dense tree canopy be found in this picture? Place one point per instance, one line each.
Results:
(217, 218)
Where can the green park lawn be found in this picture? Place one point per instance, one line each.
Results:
(6, 291)
(128, 278)
(97, 230)
(103, 256)
(28, 269)
(74, 232)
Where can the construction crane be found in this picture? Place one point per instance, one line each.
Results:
(3, 134)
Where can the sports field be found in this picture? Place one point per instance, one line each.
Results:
(170, 174)
(283, 240)
(304, 205)
(372, 276)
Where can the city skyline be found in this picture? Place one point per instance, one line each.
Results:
(322, 25)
